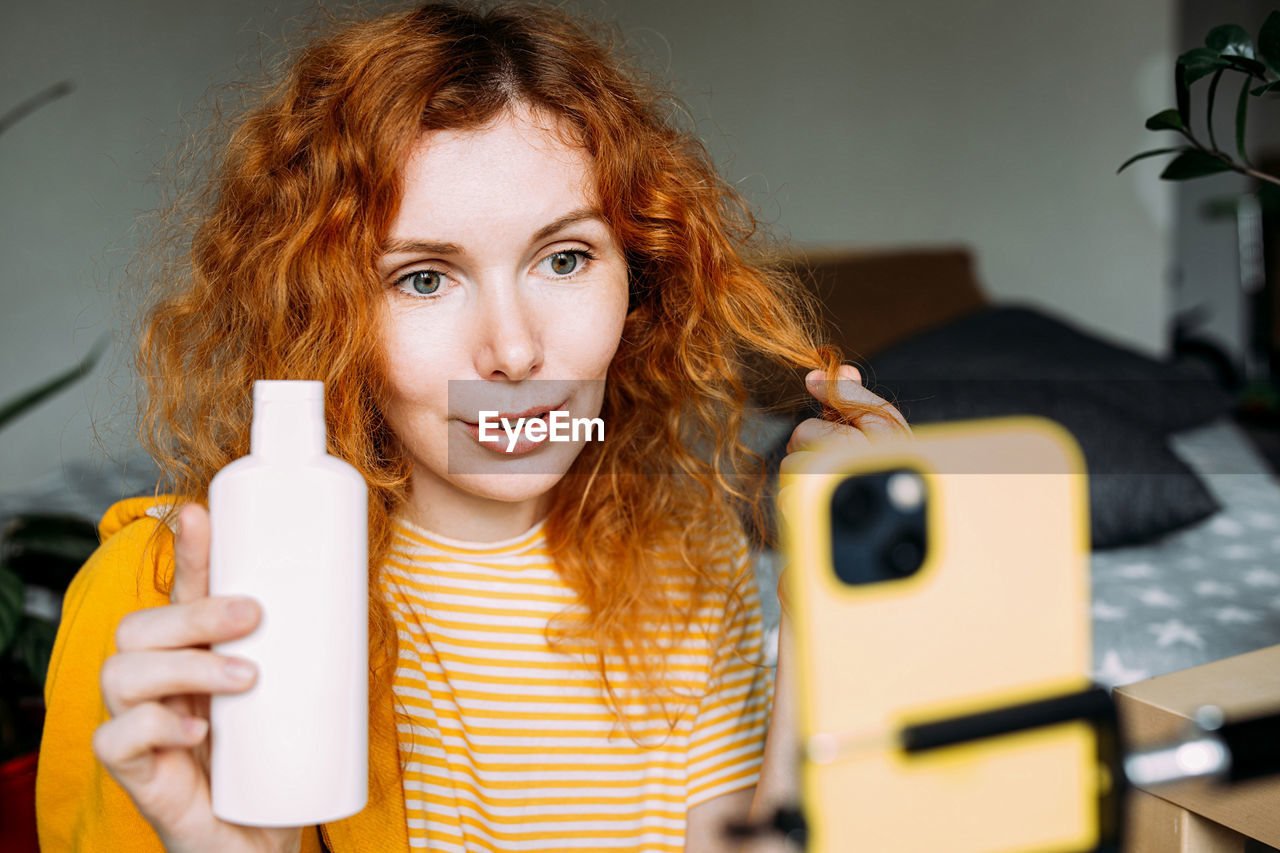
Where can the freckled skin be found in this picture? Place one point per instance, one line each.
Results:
(517, 318)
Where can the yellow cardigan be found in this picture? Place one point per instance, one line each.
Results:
(79, 806)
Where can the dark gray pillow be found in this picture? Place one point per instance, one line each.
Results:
(1021, 343)
(1119, 404)
(1138, 489)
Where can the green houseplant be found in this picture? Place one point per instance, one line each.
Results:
(1229, 55)
(36, 553)
(39, 554)
(1227, 48)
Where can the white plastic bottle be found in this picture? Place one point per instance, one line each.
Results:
(289, 529)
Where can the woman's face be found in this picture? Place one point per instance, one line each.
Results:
(504, 291)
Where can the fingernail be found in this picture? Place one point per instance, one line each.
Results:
(195, 727)
(241, 611)
(185, 509)
(239, 671)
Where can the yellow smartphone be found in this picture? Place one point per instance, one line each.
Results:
(939, 586)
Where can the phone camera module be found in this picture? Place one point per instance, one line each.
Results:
(878, 526)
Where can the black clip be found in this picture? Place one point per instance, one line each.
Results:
(1093, 705)
(787, 821)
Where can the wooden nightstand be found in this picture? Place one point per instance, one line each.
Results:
(1195, 817)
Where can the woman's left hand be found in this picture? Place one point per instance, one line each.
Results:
(885, 422)
(779, 783)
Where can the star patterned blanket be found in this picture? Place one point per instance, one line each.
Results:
(1206, 592)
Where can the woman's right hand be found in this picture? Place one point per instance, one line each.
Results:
(157, 688)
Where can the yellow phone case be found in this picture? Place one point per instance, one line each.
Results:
(996, 615)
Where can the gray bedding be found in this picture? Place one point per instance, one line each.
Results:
(1205, 592)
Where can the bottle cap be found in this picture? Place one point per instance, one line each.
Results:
(288, 418)
(287, 390)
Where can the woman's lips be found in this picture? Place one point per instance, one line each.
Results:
(503, 445)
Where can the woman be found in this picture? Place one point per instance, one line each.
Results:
(439, 212)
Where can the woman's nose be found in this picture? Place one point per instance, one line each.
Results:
(509, 340)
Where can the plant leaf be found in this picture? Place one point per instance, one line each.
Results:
(1165, 120)
(35, 102)
(1269, 198)
(1242, 113)
(1199, 62)
(11, 603)
(48, 533)
(1246, 65)
(1183, 91)
(47, 549)
(1145, 154)
(34, 645)
(17, 405)
(1269, 42)
(1193, 164)
(1231, 40)
(1208, 110)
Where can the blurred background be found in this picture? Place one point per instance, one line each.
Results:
(952, 165)
(997, 124)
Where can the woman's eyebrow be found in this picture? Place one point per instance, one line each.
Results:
(396, 247)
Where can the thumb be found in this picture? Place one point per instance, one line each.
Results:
(191, 555)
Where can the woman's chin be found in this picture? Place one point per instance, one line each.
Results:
(513, 477)
(508, 487)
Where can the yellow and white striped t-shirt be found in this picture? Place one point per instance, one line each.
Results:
(512, 744)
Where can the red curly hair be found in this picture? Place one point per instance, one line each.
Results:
(280, 283)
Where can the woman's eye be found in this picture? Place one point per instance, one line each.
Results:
(428, 282)
(423, 282)
(567, 263)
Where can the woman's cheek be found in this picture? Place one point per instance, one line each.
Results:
(592, 328)
(421, 358)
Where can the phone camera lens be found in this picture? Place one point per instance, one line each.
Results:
(855, 502)
(904, 553)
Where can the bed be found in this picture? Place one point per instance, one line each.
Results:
(1185, 512)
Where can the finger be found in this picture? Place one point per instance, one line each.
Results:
(846, 375)
(883, 415)
(191, 555)
(126, 744)
(808, 431)
(784, 497)
(187, 706)
(794, 461)
(195, 705)
(815, 429)
(196, 623)
(136, 678)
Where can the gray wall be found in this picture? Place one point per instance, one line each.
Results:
(996, 123)
(74, 176)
